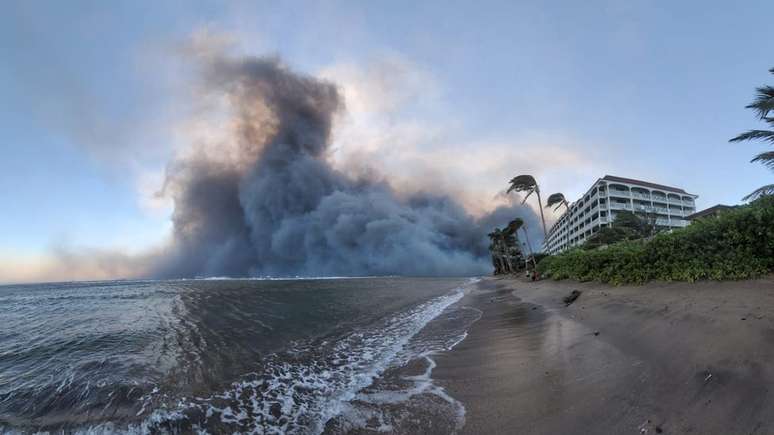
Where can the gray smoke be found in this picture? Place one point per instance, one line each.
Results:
(272, 205)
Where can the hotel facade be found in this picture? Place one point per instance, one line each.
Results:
(666, 206)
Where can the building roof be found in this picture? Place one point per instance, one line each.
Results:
(643, 183)
(709, 211)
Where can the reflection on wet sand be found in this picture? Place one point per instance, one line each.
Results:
(654, 359)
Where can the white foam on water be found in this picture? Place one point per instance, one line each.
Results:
(280, 278)
(363, 417)
(298, 395)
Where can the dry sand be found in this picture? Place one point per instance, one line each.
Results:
(658, 358)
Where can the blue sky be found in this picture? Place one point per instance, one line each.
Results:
(95, 95)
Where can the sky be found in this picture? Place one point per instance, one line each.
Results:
(454, 96)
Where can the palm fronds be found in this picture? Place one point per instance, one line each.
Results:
(558, 200)
(523, 183)
(764, 100)
(760, 192)
(766, 158)
(762, 105)
(766, 135)
(527, 183)
(514, 225)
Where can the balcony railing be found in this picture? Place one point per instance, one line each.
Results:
(594, 198)
(620, 206)
(661, 210)
(672, 222)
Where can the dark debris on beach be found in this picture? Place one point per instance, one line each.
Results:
(569, 299)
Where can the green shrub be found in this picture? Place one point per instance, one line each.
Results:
(625, 226)
(539, 256)
(738, 244)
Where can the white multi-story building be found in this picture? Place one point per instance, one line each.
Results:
(607, 196)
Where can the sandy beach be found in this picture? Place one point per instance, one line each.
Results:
(658, 358)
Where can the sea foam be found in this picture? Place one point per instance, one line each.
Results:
(301, 389)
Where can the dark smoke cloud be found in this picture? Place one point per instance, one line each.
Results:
(273, 205)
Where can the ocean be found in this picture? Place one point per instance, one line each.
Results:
(304, 356)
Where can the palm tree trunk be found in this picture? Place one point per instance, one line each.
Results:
(542, 218)
(529, 246)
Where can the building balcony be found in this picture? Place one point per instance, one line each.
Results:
(643, 208)
(585, 215)
(598, 221)
(675, 222)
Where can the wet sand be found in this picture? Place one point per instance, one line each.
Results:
(659, 358)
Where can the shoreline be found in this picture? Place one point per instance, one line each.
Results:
(655, 358)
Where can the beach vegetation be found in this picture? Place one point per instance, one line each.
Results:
(504, 248)
(625, 226)
(738, 244)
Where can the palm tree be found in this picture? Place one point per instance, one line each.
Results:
(514, 226)
(762, 105)
(495, 247)
(527, 183)
(558, 200)
(499, 249)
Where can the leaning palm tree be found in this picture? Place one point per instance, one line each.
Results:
(762, 105)
(527, 183)
(558, 200)
(513, 227)
(495, 247)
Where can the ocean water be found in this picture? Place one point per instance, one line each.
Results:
(229, 356)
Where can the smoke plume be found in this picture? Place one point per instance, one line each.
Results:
(266, 201)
